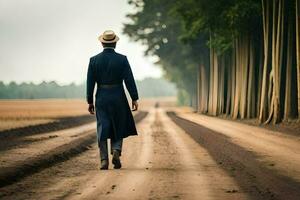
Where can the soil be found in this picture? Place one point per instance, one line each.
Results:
(45, 150)
(163, 162)
(175, 156)
(58, 124)
(289, 127)
(252, 175)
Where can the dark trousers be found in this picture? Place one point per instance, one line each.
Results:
(114, 145)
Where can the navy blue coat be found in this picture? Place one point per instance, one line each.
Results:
(114, 117)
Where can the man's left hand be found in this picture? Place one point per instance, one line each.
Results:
(135, 105)
(91, 109)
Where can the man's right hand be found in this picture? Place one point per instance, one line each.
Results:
(91, 109)
(135, 105)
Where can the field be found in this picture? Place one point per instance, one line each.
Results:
(21, 113)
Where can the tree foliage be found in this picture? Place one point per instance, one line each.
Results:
(148, 87)
(178, 31)
(228, 56)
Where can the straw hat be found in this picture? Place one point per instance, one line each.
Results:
(108, 37)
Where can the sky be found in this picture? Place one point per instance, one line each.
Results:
(45, 40)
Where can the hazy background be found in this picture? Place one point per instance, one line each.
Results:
(52, 40)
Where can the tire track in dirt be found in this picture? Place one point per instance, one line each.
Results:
(252, 175)
(58, 124)
(9, 175)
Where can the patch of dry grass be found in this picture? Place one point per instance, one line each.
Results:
(40, 109)
(20, 113)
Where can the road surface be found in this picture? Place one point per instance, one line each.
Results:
(177, 155)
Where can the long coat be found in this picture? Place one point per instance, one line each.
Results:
(114, 117)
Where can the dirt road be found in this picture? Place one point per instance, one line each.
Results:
(172, 158)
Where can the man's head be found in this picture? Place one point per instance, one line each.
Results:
(110, 45)
(108, 39)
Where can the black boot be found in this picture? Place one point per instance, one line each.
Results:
(116, 159)
(104, 164)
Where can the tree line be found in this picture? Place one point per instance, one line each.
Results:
(239, 58)
(148, 87)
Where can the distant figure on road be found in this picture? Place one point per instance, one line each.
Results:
(114, 118)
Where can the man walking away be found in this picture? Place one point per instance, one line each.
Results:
(108, 70)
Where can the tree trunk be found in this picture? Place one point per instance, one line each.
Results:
(277, 60)
(287, 103)
(199, 91)
(251, 89)
(221, 69)
(229, 85)
(203, 88)
(211, 83)
(277, 51)
(266, 21)
(259, 79)
(216, 83)
(298, 51)
(233, 83)
(244, 63)
(238, 80)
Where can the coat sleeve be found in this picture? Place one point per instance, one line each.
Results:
(90, 83)
(129, 81)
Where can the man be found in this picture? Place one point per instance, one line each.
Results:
(114, 119)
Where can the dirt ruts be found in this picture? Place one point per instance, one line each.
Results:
(253, 176)
(59, 124)
(33, 165)
(51, 157)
